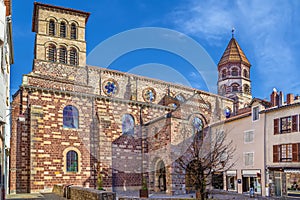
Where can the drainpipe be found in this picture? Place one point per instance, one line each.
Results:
(267, 189)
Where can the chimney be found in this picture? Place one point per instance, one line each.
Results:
(274, 98)
(281, 99)
(289, 98)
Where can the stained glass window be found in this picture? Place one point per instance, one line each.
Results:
(149, 95)
(173, 105)
(197, 124)
(110, 87)
(72, 161)
(180, 98)
(227, 112)
(127, 124)
(70, 117)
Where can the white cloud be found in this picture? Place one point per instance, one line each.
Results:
(204, 19)
(267, 29)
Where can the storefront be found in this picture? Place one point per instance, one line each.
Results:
(217, 180)
(292, 182)
(251, 179)
(231, 180)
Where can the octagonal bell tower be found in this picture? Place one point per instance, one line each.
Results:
(234, 75)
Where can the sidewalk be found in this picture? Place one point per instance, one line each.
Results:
(37, 196)
(215, 194)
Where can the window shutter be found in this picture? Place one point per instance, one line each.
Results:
(275, 153)
(295, 123)
(276, 126)
(295, 153)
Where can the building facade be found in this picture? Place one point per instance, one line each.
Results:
(6, 59)
(266, 137)
(72, 122)
(246, 130)
(283, 145)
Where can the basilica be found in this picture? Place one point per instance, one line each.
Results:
(72, 122)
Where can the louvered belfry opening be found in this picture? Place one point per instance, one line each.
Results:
(52, 53)
(51, 27)
(63, 29)
(62, 55)
(73, 57)
(73, 31)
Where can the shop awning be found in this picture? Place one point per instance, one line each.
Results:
(231, 173)
(250, 173)
(292, 171)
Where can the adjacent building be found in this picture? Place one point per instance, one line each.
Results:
(6, 59)
(283, 144)
(266, 137)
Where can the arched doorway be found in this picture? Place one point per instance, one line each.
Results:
(161, 176)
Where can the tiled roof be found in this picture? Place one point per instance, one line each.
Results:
(8, 7)
(233, 54)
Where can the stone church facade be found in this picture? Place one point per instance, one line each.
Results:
(72, 122)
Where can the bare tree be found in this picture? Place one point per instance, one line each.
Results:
(207, 153)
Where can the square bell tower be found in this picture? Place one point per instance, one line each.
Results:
(60, 34)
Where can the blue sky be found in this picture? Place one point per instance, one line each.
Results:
(268, 32)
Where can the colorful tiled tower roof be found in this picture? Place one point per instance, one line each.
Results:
(233, 54)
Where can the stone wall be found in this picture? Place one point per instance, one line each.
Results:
(80, 193)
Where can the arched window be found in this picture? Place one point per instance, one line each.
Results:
(197, 125)
(224, 73)
(62, 29)
(234, 72)
(180, 98)
(235, 87)
(73, 31)
(223, 89)
(246, 89)
(62, 54)
(245, 72)
(51, 27)
(70, 117)
(161, 176)
(72, 161)
(73, 58)
(127, 124)
(52, 53)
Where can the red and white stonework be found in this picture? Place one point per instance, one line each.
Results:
(40, 142)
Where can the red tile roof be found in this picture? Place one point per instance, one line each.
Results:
(8, 7)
